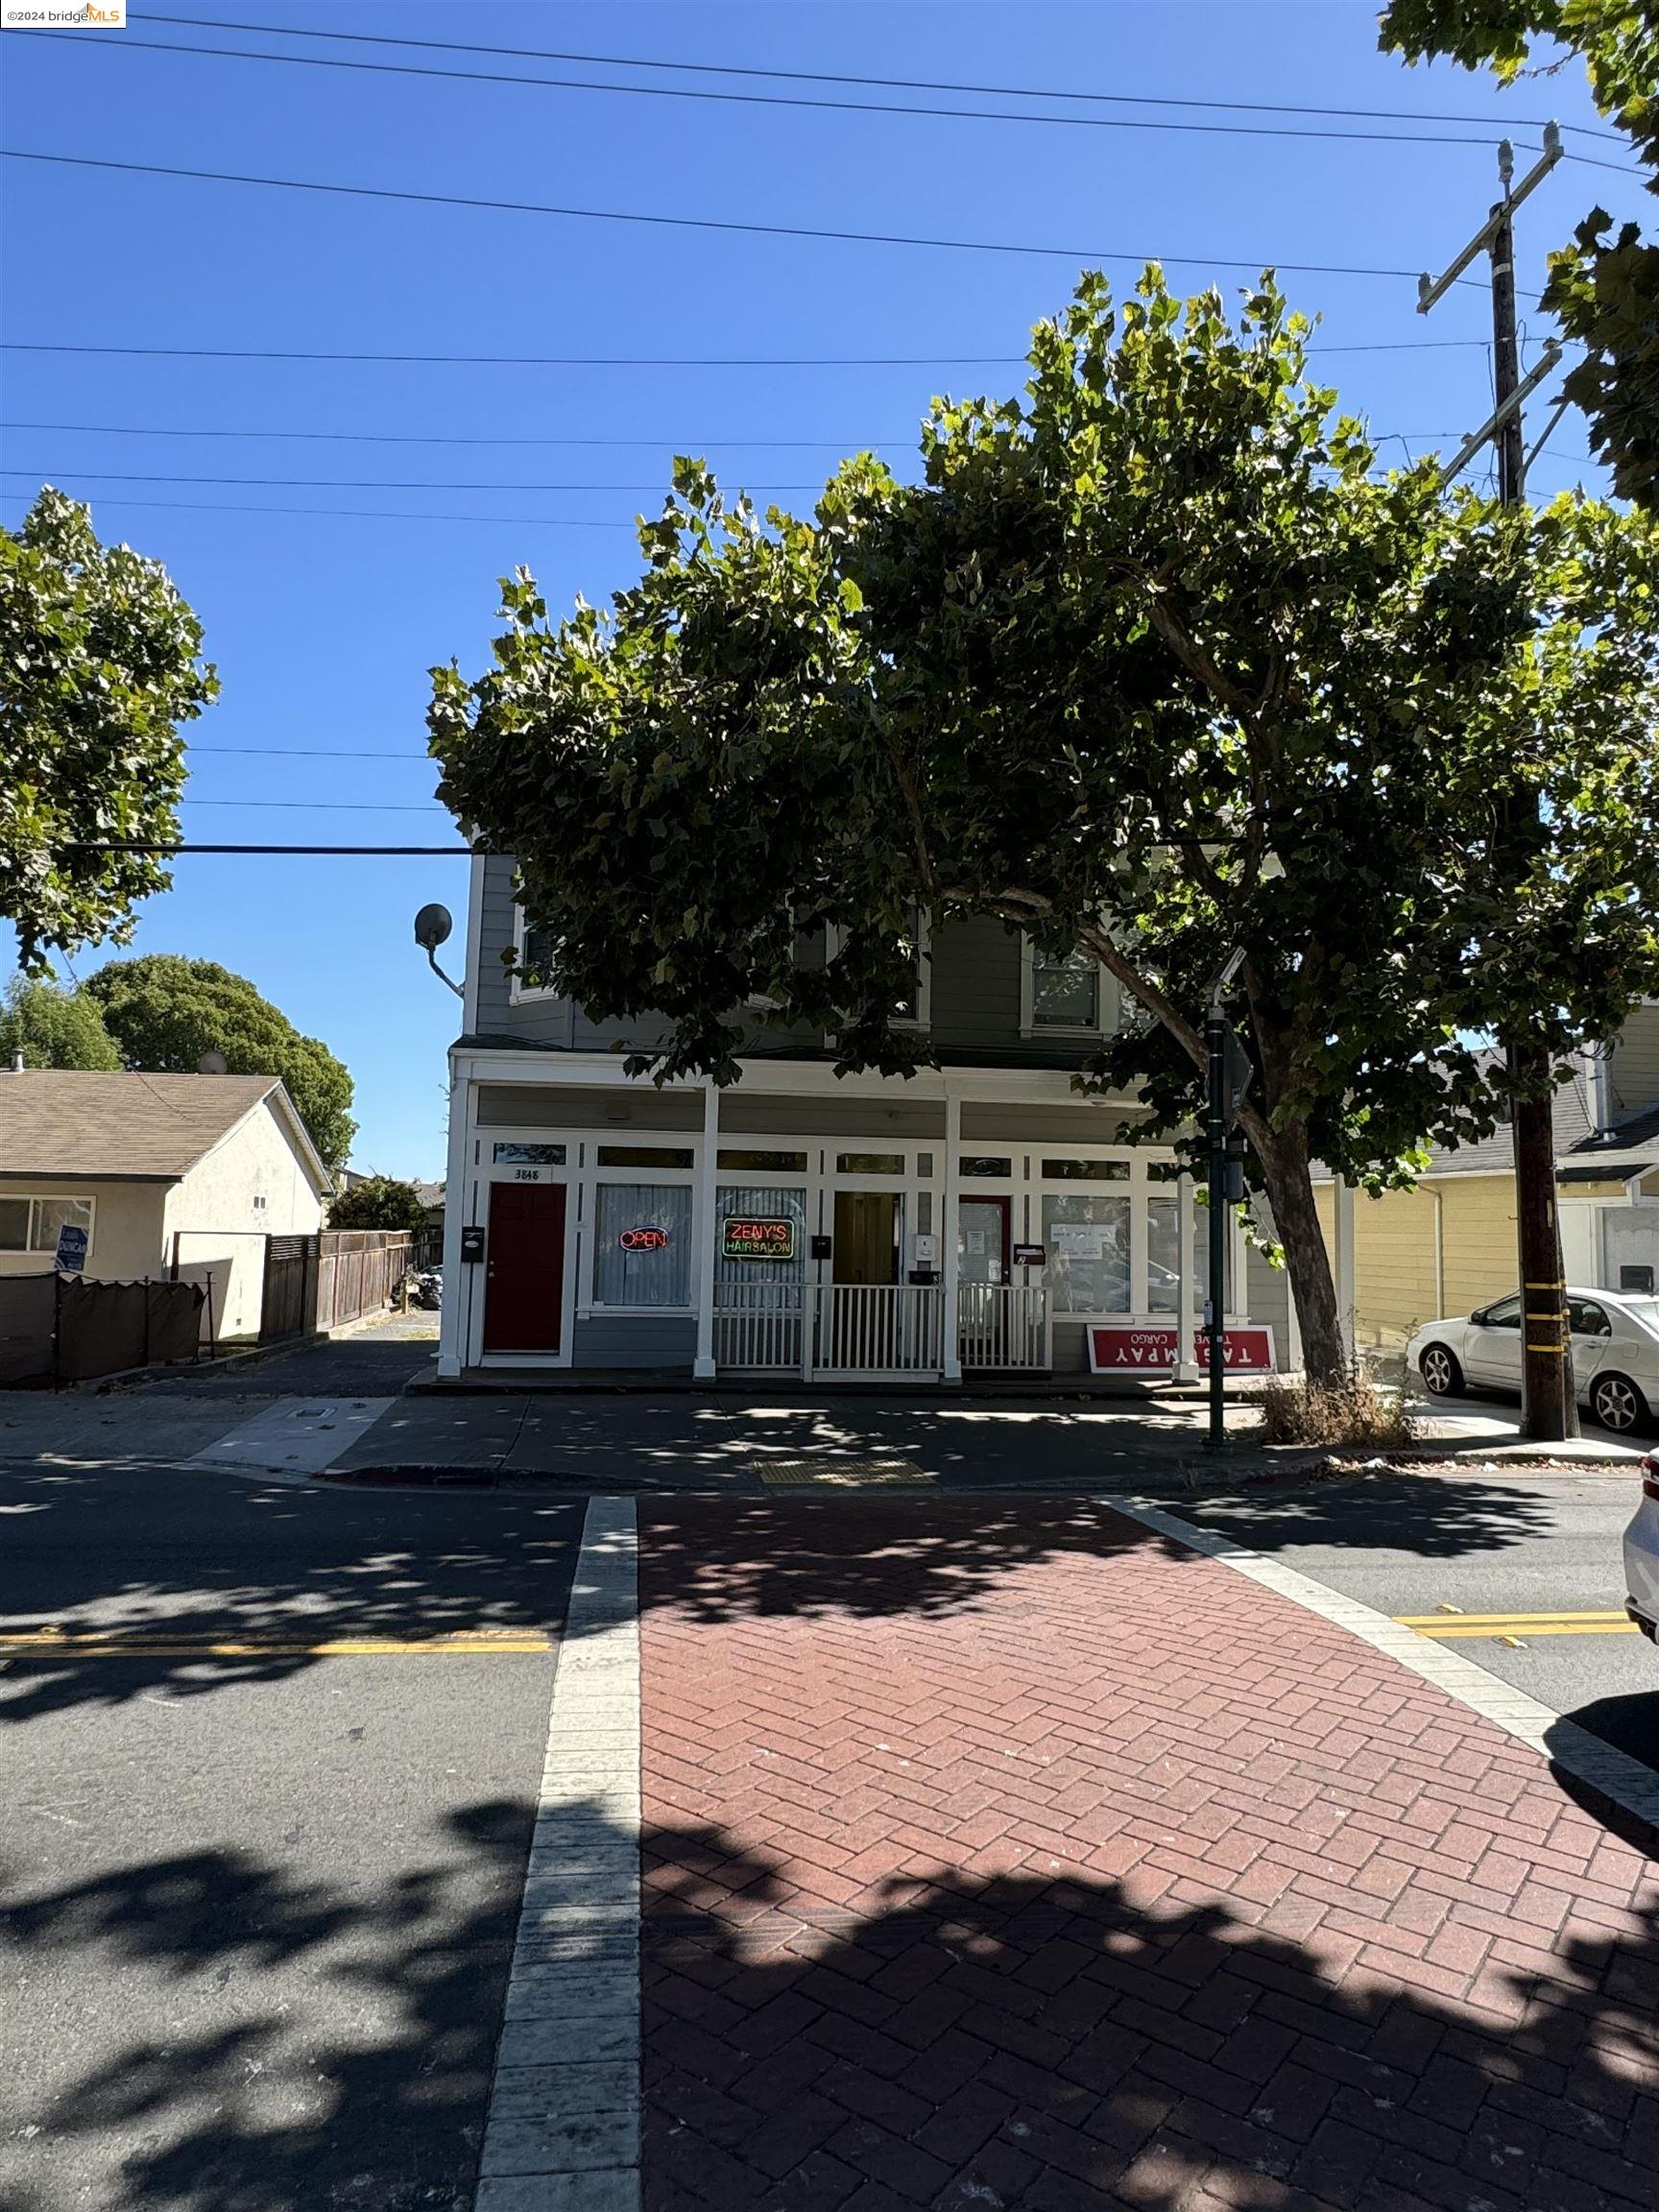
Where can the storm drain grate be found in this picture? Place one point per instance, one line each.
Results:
(838, 1473)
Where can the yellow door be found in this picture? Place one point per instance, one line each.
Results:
(866, 1236)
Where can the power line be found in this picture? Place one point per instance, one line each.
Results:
(302, 752)
(341, 852)
(655, 361)
(438, 438)
(792, 101)
(364, 514)
(827, 77)
(319, 806)
(364, 483)
(1086, 256)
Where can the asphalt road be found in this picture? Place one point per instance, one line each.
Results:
(257, 1908)
(1485, 1544)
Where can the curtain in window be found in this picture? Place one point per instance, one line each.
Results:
(630, 1271)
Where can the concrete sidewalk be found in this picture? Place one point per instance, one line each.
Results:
(1006, 1855)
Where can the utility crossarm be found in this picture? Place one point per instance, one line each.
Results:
(1501, 414)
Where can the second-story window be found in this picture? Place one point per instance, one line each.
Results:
(535, 946)
(1062, 994)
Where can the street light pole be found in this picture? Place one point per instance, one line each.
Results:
(1227, 1073)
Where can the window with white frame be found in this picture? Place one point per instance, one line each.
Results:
(1086, 1235)
(32, 1225)
(1061, 996)
(915, 1010)
(532, 947)
(642, 1245)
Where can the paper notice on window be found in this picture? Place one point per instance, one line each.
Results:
(1080, 1239)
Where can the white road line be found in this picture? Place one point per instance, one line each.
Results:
(1619, 1777)
(563, 2130)
(296, 1440)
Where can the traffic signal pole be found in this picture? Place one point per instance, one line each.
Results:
(1551, 1405)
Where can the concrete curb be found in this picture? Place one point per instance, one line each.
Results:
(562, 2129)
(1613, 1776)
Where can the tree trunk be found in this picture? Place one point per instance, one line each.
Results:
(1284, 1169)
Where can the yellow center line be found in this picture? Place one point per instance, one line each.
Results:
(157, 1642)
(1455, 1627)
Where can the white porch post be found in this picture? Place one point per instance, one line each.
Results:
(950, 1349)
(702, 1366)
(1185, 1285)
(455, 1323)
(1343, 1258)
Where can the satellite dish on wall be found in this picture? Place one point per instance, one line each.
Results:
(213, 1064)
(432, 927)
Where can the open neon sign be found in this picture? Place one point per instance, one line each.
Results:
(643, 1239)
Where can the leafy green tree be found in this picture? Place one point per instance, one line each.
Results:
(98, 667)
(378, 1202)
(53, 1027)
(1151, 663)
(164, 1012)
(1604, 288)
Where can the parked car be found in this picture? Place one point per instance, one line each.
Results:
(1642, 1554)
(1615, 1354)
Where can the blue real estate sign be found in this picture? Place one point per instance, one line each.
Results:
(71, 1255)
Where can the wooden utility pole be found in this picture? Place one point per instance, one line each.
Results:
(1550, 1403)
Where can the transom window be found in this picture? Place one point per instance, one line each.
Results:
(734, 1160)
(1085, 1171)
(999, 1168)
(643, 1155)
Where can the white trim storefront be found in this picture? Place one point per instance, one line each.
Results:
(798, 1224)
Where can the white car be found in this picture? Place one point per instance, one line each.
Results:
(1615, 1354)
(1642, 1554)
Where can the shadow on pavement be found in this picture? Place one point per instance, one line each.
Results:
(1063, 2042)
(1434, 1517)
(150, 1558)
(244, 2104)
(970, 2044)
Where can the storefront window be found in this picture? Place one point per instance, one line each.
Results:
(1086, 1236)
(1164, 1257)
(762, 1235)
(642, 1244)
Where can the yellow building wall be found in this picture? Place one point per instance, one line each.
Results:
(1398, 1280)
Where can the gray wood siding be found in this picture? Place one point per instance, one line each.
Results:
(1633, 1068)
(974, 989)
(635, 1340)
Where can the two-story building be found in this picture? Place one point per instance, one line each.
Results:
(981, 1217)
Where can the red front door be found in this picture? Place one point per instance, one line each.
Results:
(525, 1271)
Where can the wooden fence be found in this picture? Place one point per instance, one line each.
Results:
(319, 1283)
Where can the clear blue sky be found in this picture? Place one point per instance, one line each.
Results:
(323, 625)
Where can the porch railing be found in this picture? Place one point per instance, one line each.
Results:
(1004, 1326)
(880, 1328)
(759, 1326)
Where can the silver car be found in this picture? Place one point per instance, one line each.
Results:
(1615, 1354)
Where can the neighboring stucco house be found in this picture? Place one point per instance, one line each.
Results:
(1449, 1245)
(191, 1173)
(977, 1216)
